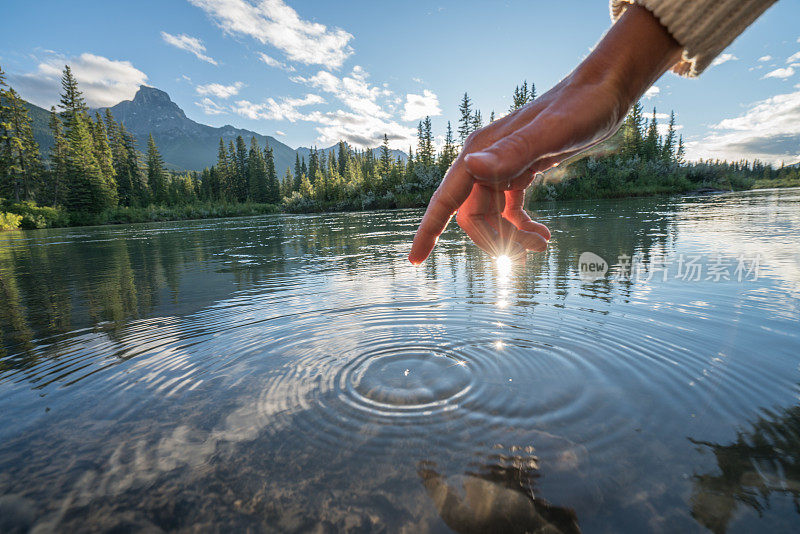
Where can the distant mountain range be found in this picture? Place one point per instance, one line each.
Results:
(184, 143)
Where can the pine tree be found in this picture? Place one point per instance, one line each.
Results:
(491, 117)
(425, 143)
(521, 96)
(72, 102)
(633, 135)
(58, 161)
(477, 121)
(465, 122)
(241, 169)
(341, 159)
(21, 165)
(668, 149)
(651, 145)
(449, 151)
(104, 156)
(273, 186)
(133, 169)
(306, 187)
(298, 170)
(88, 190)
(125, 162)
(287, 185)
(216, 185)
(386, 157)
(257, 173)
(680, 155)
(156, 175)
(313, 164)
(233, 179)
(223, 172)
(5, 144)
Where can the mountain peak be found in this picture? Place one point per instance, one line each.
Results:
(150, 95)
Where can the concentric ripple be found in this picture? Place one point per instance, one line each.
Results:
(411, 382)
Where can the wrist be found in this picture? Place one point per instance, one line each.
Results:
(634, 53)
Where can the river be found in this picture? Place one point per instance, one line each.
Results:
(296, 373)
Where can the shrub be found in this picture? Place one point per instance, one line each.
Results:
(9, 221)
(33, 216)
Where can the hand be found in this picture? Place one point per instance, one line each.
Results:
(487, 181)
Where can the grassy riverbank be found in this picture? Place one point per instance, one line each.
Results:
(27, 215)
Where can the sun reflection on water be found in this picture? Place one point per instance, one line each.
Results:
(503, 266)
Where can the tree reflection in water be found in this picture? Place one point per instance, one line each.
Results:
(764, 460)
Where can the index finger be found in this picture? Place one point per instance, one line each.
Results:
(447, 198)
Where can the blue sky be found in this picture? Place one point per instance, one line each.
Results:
(312, 72)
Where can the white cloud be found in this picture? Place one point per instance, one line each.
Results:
(188, 43)
(210, 107)
(779, 73)
(363, 131)
(420, 106)
(723, 58)
(652, 92)
(219, 90)
(278, 132)
(769, 130)
(104, 82)
(272, 62)
(271, 109)
(663, 128)
(793, 58)
(353, 91)
(765, 58)
(273, 22)
(367, 116)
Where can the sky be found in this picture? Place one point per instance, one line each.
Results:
(313, 72)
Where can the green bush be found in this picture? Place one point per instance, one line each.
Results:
(33, 216)
(9, 221)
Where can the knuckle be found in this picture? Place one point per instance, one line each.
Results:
(515, 145)
(476, 140)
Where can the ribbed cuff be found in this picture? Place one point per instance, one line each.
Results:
(704, 28)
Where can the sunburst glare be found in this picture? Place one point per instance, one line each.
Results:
(503, 266)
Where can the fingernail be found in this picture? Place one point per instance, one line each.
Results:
(487, 158)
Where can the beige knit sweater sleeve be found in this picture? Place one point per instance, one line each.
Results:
(703, 27)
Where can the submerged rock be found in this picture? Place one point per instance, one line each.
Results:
(471, 504)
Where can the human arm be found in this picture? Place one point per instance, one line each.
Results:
(486, 182)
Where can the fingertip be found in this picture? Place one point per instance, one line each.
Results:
(417, 256)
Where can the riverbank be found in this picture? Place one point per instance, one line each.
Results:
(29, 216)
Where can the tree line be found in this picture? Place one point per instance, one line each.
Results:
(95, 168)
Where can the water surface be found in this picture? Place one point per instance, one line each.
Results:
(295, 373)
